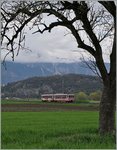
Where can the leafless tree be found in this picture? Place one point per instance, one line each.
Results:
(80, 18)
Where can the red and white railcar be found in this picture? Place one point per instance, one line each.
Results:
(58, 97)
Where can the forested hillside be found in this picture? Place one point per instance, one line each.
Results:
(34, 87)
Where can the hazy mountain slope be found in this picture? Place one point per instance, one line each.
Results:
(20, 71)
(34, 87)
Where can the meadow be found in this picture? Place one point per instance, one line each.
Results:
(52, 130)
(39, 101)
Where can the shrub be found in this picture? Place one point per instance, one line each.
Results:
(81, 96)
(95, 95)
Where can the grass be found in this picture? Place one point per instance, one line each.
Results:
(21, 101)
(52, 130)
(38, 101)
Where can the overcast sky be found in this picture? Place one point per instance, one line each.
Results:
(51, 47)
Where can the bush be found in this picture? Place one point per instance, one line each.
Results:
(81, 96)
(95, 95)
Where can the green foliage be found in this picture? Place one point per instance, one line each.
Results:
(52, 130)
(81, 96)
(95, 95)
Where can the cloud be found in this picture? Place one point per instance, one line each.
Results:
(50, 47)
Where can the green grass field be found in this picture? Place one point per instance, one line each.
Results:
(38, 101)
(21, 101)
(52, 130)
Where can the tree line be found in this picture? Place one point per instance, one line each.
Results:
(82, 96)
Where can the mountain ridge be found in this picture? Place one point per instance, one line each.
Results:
(19, 71)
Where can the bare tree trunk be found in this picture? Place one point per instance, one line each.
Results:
(107, 110)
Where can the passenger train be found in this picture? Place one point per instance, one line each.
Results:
(57, 97)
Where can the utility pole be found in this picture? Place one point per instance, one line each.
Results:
(63, 85)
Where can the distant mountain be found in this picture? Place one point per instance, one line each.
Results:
(19, 71)
(34, 87)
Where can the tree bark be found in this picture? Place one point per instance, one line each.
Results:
(107, 109)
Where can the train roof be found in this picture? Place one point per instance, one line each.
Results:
(55, 94)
